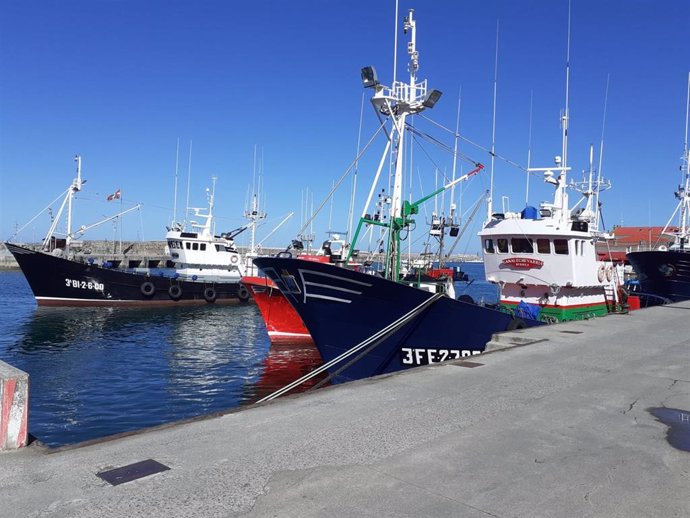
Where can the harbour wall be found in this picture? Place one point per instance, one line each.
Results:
(143, 250)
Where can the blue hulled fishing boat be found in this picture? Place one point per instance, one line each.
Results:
(366, 322)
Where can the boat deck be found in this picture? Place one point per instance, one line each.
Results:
(559, 423)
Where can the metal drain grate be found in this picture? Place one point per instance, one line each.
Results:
(132, 472)
(470, 365)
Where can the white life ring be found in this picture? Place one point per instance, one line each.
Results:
(609, 273)
(234, 259)
(601, 273)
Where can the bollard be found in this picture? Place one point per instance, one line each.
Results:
(14, 407)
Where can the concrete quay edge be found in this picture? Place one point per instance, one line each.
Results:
(558, 427)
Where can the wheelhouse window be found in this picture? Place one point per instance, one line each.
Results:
(195, 246)
(521, 245)
(560, 246)
(187, 245)
(543, 246)
(202, 246)
(502, 246)
(488, 246)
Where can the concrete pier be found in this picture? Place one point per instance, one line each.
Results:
(14, 407)
(564, 421)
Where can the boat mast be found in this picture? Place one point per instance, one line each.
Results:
(405, 94)
(177, 163)
(254, 215)
(189, 179)
(76, 187)
(600, 182)
(683, 193)
(71, 190)
(453, 206)
(206, 230)
(529, 146)
(560, 201)
(562, 193)
(490, 201)
(397, 102)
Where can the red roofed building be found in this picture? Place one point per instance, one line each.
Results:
(634, 239)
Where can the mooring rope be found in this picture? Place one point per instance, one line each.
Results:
(378, 336)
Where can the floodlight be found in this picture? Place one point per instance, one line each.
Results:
(431, 98)
(369, 77)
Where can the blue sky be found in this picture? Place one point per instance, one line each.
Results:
(120, 81)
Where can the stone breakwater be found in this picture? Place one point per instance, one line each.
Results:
(105, 250)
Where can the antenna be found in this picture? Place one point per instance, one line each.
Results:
(351, 212)
(490, 201)
(177, 162)
(189, 177)
(560, 201)
(395, 43)
(529, 145)
(455, 157)
(254, 214)
(601, 154)
(684, 190)
(76, 187)
(566, 115)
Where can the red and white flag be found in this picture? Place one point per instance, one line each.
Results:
(114, 196)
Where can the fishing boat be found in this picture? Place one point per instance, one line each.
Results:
(366, 322)
(545, 260)
(282, 322)
(665, 271)
(201, 268)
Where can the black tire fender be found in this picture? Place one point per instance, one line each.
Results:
(243, 293)
(175, 292)
(210, 295)
(516, 323)
(147, 289)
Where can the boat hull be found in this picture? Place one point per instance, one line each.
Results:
(342, 308)
(664, 274)
(56, 281)
(282, 321)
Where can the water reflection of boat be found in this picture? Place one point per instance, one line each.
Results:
(100, 371)
(285, 363)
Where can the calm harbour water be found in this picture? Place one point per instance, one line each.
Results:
(95, 372)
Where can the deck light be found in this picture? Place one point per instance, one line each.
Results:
(369, 77)
(431, 98)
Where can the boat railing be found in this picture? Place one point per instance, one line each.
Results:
(409, 93)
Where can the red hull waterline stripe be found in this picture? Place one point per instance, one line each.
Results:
(288, 335)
